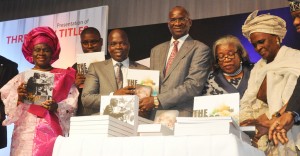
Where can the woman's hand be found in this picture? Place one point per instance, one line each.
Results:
(22, 92)
(262, 124)
(79, 80)
(50, 105)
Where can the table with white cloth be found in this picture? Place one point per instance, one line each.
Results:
(208, 145)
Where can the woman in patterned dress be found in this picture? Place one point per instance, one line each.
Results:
(36, 126)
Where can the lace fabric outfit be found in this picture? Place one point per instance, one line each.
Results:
(35, 128)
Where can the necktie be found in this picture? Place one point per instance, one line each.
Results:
(172, 56)
(119, 75)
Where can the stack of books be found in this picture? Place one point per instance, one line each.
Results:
(154, 130)
(144, 121)
(189, 126)
(247, 132)
(193, 126)
(99, 125)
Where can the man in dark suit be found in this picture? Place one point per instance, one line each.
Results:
(101, 77)
(8, 70)
(91, 41)
(285, 121)
(183, 63)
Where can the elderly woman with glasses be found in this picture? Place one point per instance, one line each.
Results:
(231, 68)
(271, 83)
(36, 126)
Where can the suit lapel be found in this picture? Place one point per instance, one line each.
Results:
(185, 48)
(163, 59)
(109, 69)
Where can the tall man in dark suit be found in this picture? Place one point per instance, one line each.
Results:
(101, 78)
(8, 70)
(284, 122)
(91, 41)
(183, 63)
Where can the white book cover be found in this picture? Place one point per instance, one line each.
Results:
(195, 120)
(203, 120)
(39, 86)
(206, 128)
(100, 126)
(108, 133)
(124, 108)
(249, 130)
(94, 124)
(166, 117)
(144, 121)
(99, 120)
(159, 129)
(92, 135)
(84, 60)
(144, 78)
(99, 129)
(217, 105)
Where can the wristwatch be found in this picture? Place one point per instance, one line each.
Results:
(276, 114)
(156, 102)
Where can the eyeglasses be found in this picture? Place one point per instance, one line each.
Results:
(92, 42)
(180, 20)
(229, 55)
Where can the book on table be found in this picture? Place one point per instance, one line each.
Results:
(122, 107)
(217, 105)
(142, 120)
(220, 113)
(166, 117)
(206, 126)
(154, 130)
(99, 125)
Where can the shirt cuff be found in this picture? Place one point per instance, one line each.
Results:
(297, 117)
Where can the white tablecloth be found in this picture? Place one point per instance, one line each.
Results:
(214, 145)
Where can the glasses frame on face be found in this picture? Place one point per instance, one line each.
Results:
(230, 55)
(179, 20)
(92, 42)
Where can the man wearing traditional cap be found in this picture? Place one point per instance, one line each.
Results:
(291, 115)
(271, 82)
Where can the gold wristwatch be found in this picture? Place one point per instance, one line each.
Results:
(156, 102)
